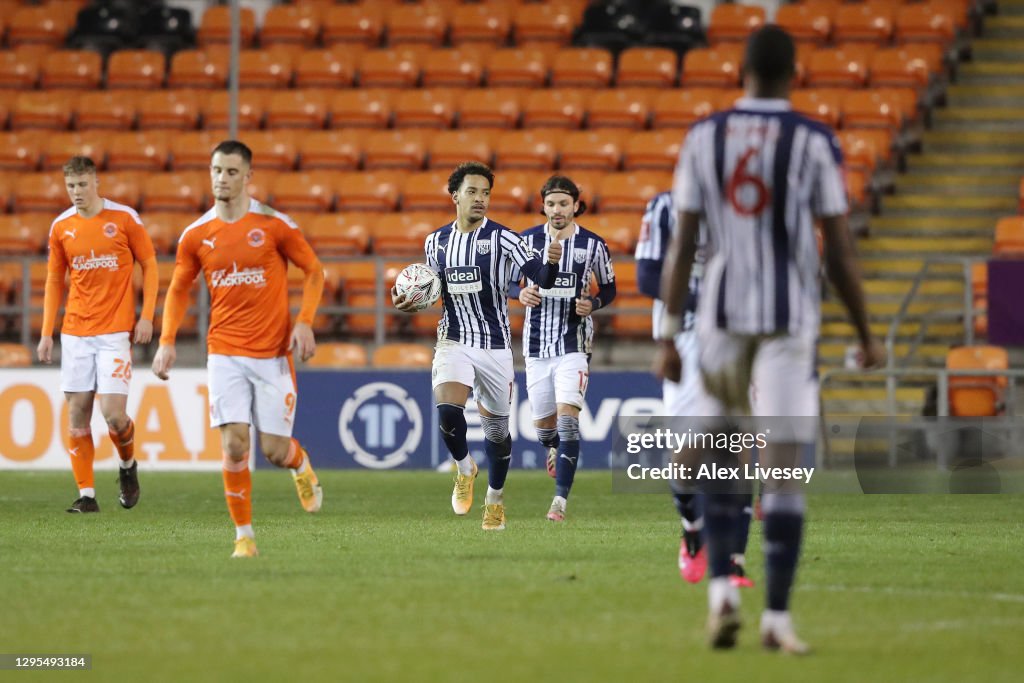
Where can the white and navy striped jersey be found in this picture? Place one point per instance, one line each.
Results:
(475, 270)
(656, 233)
(553, 329)
(760, 173)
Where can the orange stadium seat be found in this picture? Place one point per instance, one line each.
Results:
(17, 71)
(857, 188)
(563, 108)
(979, 297)
(977, 396)
(452, 68)
(631, 316)
(582, 67)
(652, 150)
(215, 26)
(123, 188)
(39, 192)
(530, 149)
(252, 108)
(46, 109)
(681, 108)
(652, 67)
(620, 108)
(625, 269)
(485, 23)
(619, 230)
(398, 149)
(416, 23)
(261, 184)
(7, 179)
(59, 147)
(427, 107)
(330, 68)
(514, 191)
(360, 24)
(806, 23)
(291, 24)
(551, 22)
(303, 191)
(448, 148)
(837, 68)
(1009, 237)
(860, 151)
(164, 227)
(297, 109)
(598, 149)
(341, 234)
(19, 235)
(360, 277)
(517, 67)
(717, 67)
(38, 25)
(139, 151)
(871, 109)
(336, 150)
(192, 149)
(14, 355)
(21, 150)
(427, 191)
(338, 355)
(402, 233)
(176, 191)
(864, 22)
(169, 110)
(630, 191)
(361, 108)
(733, 23)
(136, 69)
(364, 324)
(264, 69)
(388, 68)
(900, 67)
(926, 23)
(369, 190)
(81, 69)
(399, 355)
(197, 69)
(821, 104)
(491, 107)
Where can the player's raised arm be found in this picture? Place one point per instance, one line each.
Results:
(56, 270)
(297, 250)
(142, 249)
(529, 264)
(186, 267)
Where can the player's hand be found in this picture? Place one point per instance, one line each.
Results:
(45, 349)
(554, 251)
(874, 354)
(399, 302)
(164, 359)
(530, 296)
(667, 363)
(143, 332)
(302, 341)
(584, 306)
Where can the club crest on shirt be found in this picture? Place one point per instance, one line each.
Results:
(256, 237)
(483, 248)
(579, 255)
(109, 229)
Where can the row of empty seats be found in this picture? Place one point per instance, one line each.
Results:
(977, 396)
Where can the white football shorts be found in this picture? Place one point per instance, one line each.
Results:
(550, 381)
(102, 363)
(489, 372)
(256, 391)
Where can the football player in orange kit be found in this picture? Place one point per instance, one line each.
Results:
(243, 248)
(99, 241)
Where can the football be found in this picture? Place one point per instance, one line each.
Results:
(419, 284)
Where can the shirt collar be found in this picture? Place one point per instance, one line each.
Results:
(763, 104)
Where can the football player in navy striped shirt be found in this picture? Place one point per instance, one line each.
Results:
(475, 259)
(558, 332)
(759, 174)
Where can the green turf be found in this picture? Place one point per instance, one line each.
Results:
(385, 584)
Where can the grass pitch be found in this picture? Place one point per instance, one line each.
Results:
(385, 584)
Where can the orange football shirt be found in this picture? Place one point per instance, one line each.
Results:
(101, 253)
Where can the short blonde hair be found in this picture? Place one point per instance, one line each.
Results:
(79, 165)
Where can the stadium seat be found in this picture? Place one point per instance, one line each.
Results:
(717, 67)
(358, 24)
(397, 149)
(860, 151)
(806, 23)
(136, 69)
(733, 23)
(484, 23)
(80, 69)
(59, 147)
(50, 109)
(821, 104)
(1009, 236)
(39, 192)
(549, 22)
(631, 316)
(620, 108)
(871, 109)
(582, 67)
(514, 192)
(123, 188)
(862, 22)
(19, 236)
(297, 109)
(369, 190)
(330, 68)
(925, 23)
(647, 67)
(336, 150)
(447, 67)
(303, 191)
(388, 68)
(192, 149)
(836, 68)
(264, 69)
(37, 25)
(448, 148)
(682, 108)
(652, 150)
(979, 297)
(562, 108)
(21, 151)
(261, 184)
(630, 191)
(402, 233)
(14, 355)
(18, 71)
(252, 107)
(977, 396)
(491, 107)
(140, 151)
(165, 29)
(425, 107)
(416, 23)
(291, 24)
(402, 356)
(427, 191)
(364, 323)
(180, 191)
(197, 69)
(164, 227)
(215, 26)
(529, 149)
(619, 230)
(596, 149)
(169, 110)
(341, 234)
(338, 355)
(361, 108)
(361, 277)
(902, 67)
(517, 68)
